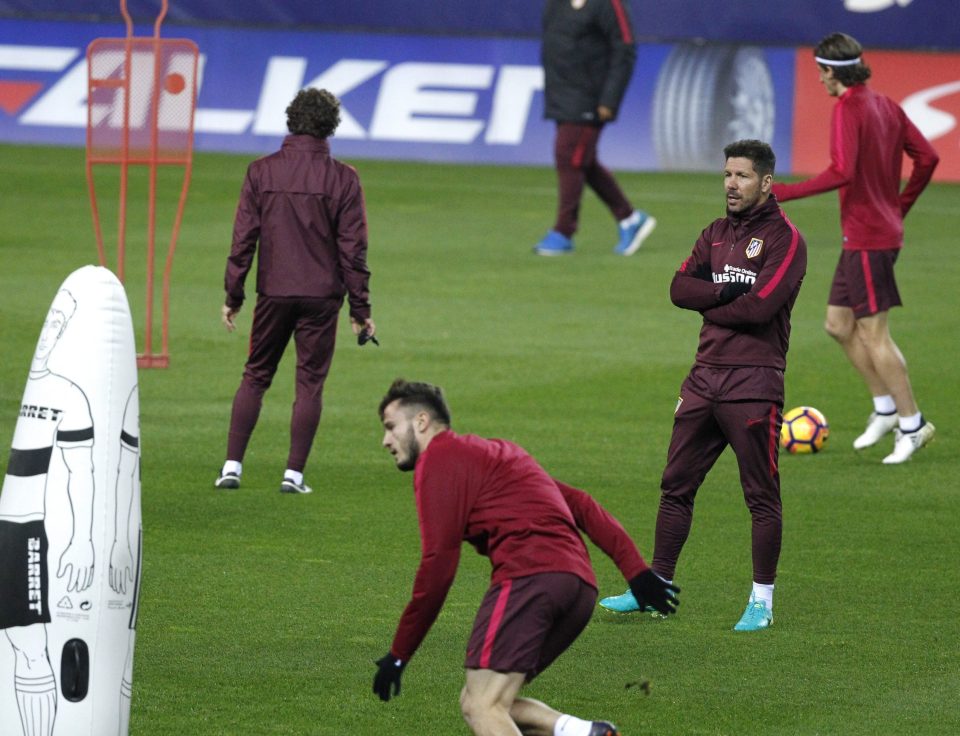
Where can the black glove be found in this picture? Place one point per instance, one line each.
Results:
(652, 590)
(733, 290)
(389, 674)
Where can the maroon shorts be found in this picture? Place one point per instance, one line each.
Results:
(525, 623)
(864, 282)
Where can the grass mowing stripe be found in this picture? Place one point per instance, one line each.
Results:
(263, 613)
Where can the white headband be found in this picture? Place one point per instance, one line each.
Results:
(836, 62)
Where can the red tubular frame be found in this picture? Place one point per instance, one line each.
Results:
(148, 359)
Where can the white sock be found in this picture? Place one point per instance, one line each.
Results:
(911, 423)
(763, 593)
(295, 475)
(884, 404)
(633, 219)
(232, 466)
(572, 726)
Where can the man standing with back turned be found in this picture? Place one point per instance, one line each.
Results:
(306, 210)
(588, 53)
(869, 134)
(743, 276)
(542, 592)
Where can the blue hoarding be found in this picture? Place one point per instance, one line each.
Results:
(430, 98)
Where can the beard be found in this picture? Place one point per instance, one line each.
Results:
(412, 449)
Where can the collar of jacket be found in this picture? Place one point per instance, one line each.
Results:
(756, 213)
(306, 143)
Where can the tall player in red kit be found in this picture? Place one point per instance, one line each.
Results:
(869, 135)
(542, 593)
(743, 276)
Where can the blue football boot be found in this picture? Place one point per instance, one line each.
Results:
(554, 244)
(632, 236)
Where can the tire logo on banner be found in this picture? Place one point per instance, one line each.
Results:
(707, 96)
(873, 6)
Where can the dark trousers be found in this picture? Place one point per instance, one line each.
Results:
(313, 325)
(575, 156)
(702, 429)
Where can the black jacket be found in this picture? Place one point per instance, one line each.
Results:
(588, 54)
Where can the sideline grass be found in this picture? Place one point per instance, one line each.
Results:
(262, 614)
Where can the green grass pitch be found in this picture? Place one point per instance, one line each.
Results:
(262, 613)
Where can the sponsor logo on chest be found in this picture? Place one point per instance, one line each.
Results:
(735, 274)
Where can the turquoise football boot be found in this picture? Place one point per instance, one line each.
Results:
(627, 603)
(756, 616)
(624, 603)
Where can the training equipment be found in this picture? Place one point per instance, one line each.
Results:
(70, 521)
(878, 425)
(141, 102)
(805, 430)
(755, 617)
(364, 337)
(908, 443)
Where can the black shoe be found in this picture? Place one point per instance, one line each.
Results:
(291, 486)
(603, 728)
(227, 480)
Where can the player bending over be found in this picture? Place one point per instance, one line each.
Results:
(542, 592)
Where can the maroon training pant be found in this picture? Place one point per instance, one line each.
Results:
(575, 156)
(313, 325)
(706, 421)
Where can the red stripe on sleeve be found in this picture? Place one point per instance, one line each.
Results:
(785, 265)
(495, 620)
(625, 31)
(868, 281)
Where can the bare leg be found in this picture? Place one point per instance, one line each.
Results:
(533, 717)
(888, 363)
(841, 325)
(487, 700)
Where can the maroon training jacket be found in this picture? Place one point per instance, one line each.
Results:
(763, 250)
(306, 210)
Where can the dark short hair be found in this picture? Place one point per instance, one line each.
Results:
(313, 112)
(760, 153)
(841, 47)
(422, 395)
